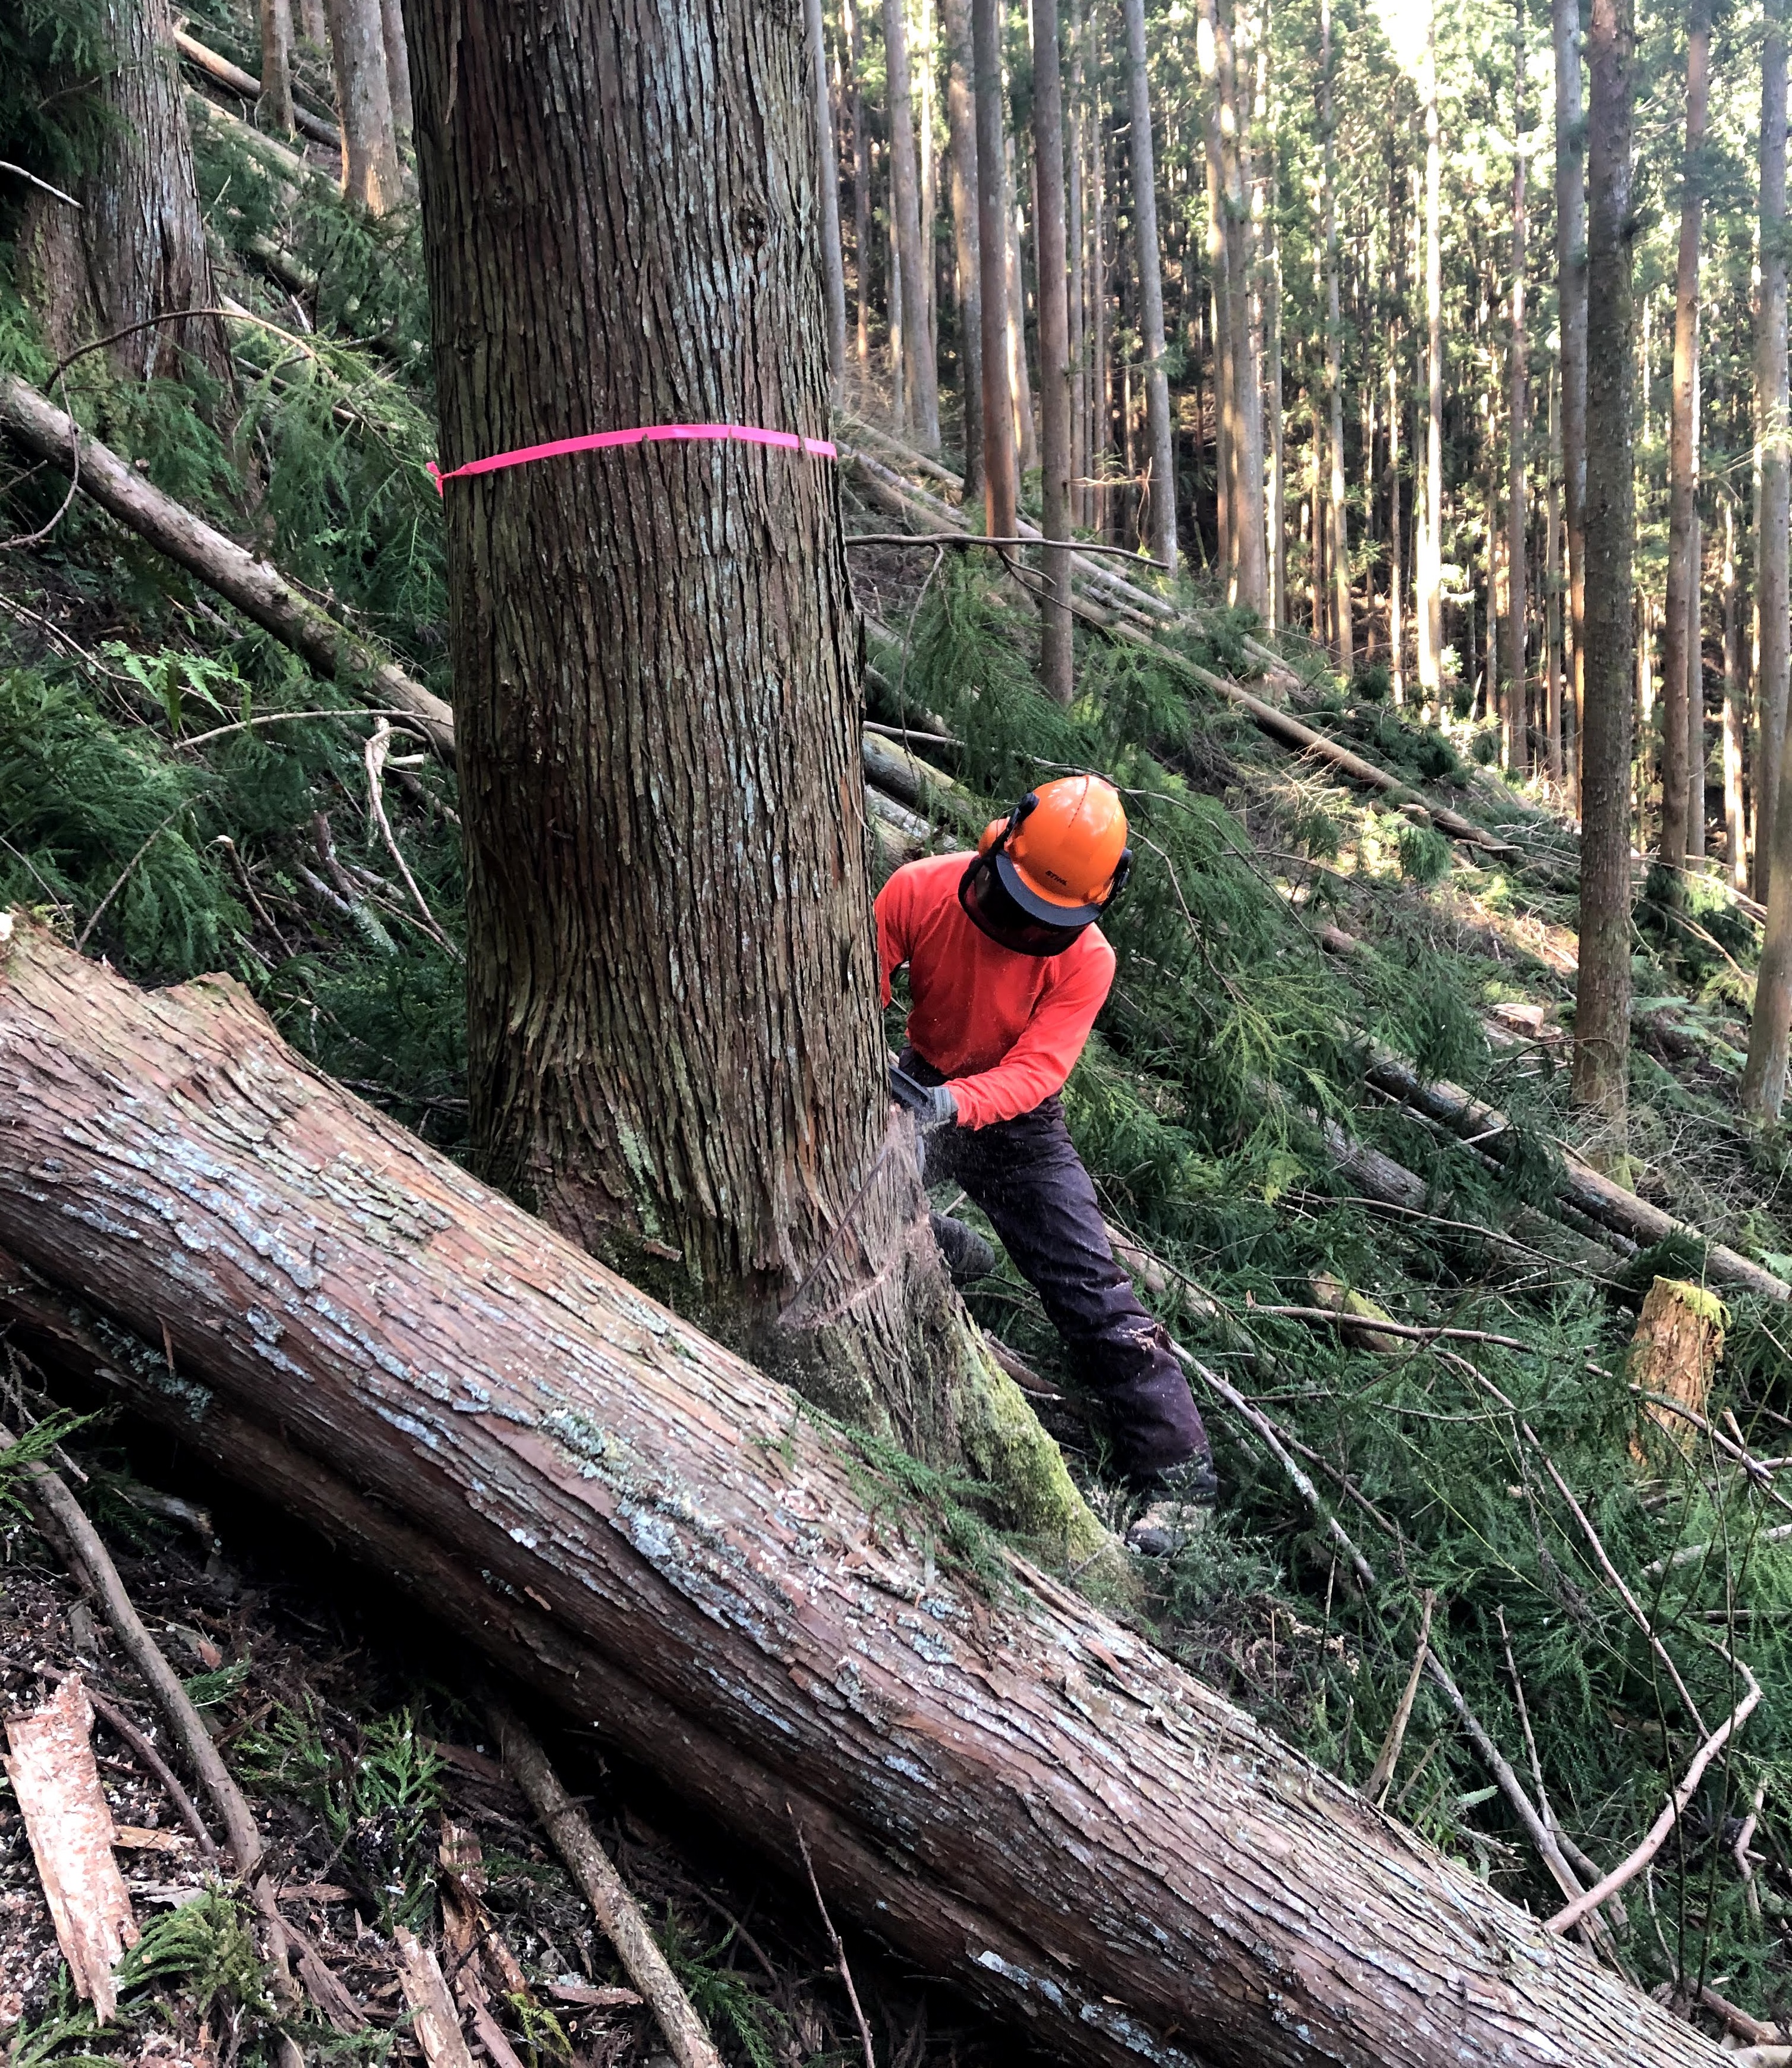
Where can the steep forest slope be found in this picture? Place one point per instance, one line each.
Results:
(1413, 1324)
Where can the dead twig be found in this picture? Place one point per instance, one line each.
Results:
(374, 754)
(833, 1940)
(1380, 1326)
(1657, 1835)
(43, 186)
(616, 1911)
(1381, 1778)
(184, 1808)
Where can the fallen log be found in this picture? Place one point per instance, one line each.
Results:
(1581, 1187)
(998, 1780)
(245, 86)
(38, 427)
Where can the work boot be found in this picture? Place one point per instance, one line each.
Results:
(967, 1255)
(1177, 1507)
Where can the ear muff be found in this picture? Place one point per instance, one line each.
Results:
(1122, 869)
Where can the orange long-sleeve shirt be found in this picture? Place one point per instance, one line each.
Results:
(1005, 1029)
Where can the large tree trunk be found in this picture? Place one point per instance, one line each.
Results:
(920, 385)
(1001, 485)
(1602, 992)
(961, 117)
(1058, 666)
(1773, 598)
(1429, 553)
(370, 171)
(136, 249)
(1013, 1790)
(834, 258)
(674, 1050)
(1334, 360)
(1517, 705)
(1151, 290)
(1681, 655)
(1570, 201)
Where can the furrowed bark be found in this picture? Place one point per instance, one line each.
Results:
(961, 115)
(674, 1053)
(1010, 1788)
(38, 428)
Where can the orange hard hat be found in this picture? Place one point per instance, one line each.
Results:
(1060, 856)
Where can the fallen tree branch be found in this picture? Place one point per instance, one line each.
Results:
(1628, 1869)
(839, 1950)
(649, 1531)
(253, 585)
(618, 1916)
(968, 538)
(1381, 1775)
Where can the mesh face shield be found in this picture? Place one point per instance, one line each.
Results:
(993, 895)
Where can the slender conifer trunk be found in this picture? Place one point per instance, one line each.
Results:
(1429, 596)
(1249, 543)
(1075, 235)
(1570, 203)
(274, 107)
(370, 172)
(1553, 585)
(1518, 706)
(1057, 667)
(1679, 656)
(920, 386)
(1736, 713)
(1000, 481)
(961, 117)
(1603, 992)
(1338, 524)
(1148, 251)
(1772, 429)
(861, 189)
(834, 258)
(397, 62)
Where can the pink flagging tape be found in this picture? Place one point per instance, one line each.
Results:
(648, 434)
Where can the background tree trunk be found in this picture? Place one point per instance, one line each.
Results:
(136, 248)
(1602, 993)
(1772, 599)
(370, 171)
(274, 107)
(834, 258)
(1001, 485)
(1246, 369)
(1570, 203)
(1680, 650)
(397, 58)
(1696, 756)
(920, 385)
(1020, 379)
(1553, 613)
(1736, 715)
(1151, 291)
(961, 117)
(861, 188)
(646, 1528)
(1340, 533)
(1075, 235)
(1058, 665)
(674, 1053)
(1518, 706)
(1428, 584)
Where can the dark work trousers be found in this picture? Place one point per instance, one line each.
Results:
(1027, 1176)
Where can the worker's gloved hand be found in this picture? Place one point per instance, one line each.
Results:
(940, 1109)
(932, 1105)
